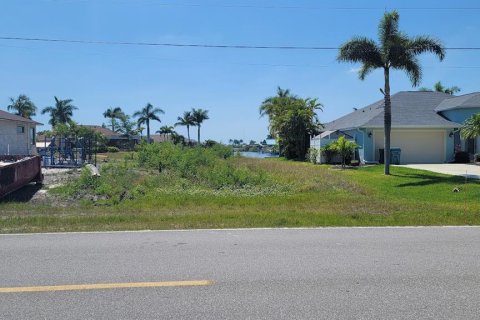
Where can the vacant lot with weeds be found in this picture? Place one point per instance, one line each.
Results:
(168, 187)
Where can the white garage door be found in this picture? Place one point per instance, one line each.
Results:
(419, 146)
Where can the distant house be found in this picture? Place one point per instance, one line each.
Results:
(425, 126)
(43, 144)
(17, 135)
(158, 138)
(115, 139)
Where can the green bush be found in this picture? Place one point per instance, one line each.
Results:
(205, 166)
(328, 151)
(165, 169)
(112, 149)
(312, 155)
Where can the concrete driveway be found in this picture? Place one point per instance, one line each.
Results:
(455, 169)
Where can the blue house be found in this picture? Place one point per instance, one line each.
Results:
(425, 126)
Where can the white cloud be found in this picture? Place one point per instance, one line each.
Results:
(354, 70)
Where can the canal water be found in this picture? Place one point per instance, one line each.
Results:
(250, 154)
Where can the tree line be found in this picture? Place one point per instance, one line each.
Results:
(61, 113)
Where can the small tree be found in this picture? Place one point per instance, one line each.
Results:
(312, 155)
(128, 129)
(344, 148)
(471, 127)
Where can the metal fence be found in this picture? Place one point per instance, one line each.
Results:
(68, 152)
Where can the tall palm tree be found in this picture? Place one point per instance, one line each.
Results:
(198, 116)
(148, 113)
(114, 114)
(62, 112)
(23, 106)
(395, 50)
(186, 121)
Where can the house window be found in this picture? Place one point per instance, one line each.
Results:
(20, 129)
(32, 136)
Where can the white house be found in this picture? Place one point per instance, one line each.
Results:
(17, 135)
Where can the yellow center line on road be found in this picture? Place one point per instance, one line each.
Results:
(99, 286)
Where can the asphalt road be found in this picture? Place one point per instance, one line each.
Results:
(364, 273)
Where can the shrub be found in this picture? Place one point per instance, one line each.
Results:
(476, 157)
(342, 148)
(312, 155)
(210, 143)
(112, 149)
(205, 166)
(328, 151)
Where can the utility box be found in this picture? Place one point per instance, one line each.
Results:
(395, 154)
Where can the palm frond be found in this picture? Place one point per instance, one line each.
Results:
(388, 27)
(154, 117)
(423, 44)
(365, 69)
(158, 110)
(413, 69)
(361, 49)
(471, 127)
(47, 109)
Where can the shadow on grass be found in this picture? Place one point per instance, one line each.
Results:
(421, 179)
(24, 194)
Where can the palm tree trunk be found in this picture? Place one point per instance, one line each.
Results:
(148, 131)
(113, 124)
(198, 134)
(387, 121)
(188, 134)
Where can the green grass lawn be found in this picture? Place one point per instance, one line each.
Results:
(292, 194)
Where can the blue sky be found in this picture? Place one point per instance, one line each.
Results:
(230, 83)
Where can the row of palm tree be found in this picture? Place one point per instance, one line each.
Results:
(149, 113)
(439, 87)
(62, 113)
(193, 118)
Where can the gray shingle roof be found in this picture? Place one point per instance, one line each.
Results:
(410, 109)
(471, 100)
(13, 117)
